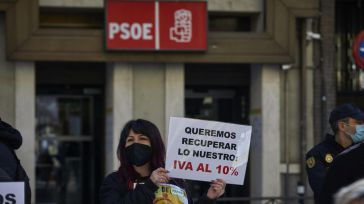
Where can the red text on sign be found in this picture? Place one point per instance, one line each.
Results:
(182, 165)
(203, 168)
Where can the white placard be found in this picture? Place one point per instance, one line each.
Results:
(12, 192)
(207, 150)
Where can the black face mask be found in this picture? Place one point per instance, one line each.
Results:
(138, 154)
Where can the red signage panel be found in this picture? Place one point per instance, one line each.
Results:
(149, 25)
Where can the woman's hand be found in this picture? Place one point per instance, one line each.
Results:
(217, 188)
(159, 176)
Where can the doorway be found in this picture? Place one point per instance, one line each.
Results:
(218, 92)
(69, 132)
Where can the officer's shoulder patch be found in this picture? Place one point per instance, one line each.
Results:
(329, 158)
(310, 162)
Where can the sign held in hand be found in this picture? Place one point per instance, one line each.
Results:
(12, 192)
(207, 150)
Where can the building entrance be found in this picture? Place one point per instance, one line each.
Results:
(218, 92)
(69, 133)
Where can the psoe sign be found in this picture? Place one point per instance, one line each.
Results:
(156, 25)
(12, 192)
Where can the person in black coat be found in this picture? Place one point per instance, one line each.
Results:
(141, 177)
(343, 120)
(11, 169)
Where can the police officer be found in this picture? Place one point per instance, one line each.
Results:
(343, 120)
(347, 168)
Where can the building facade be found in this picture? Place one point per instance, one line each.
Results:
(70, 97)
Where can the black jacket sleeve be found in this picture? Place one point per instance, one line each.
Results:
(205, 200)
(335, 179)
(113, 191)
(316, 173)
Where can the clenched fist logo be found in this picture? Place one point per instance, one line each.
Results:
(182, 30)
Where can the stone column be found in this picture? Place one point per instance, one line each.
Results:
(7, 80)
(25, 117)
(175, 92)
(265, 118)
(119, 108)
(149, 93)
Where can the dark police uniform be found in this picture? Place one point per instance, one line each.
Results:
(347, 168)
(318, 160)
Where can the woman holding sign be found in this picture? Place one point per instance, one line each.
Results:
(141, 177)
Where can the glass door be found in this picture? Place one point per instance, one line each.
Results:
(64, 149)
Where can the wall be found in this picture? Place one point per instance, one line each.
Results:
(213, 5)
(149, 93)
(265, 116)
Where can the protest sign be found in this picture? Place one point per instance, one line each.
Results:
(207, 150)
(12, 192)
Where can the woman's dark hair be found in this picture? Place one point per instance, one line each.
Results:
(126, 171)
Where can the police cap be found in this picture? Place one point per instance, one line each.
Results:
(345, 111)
